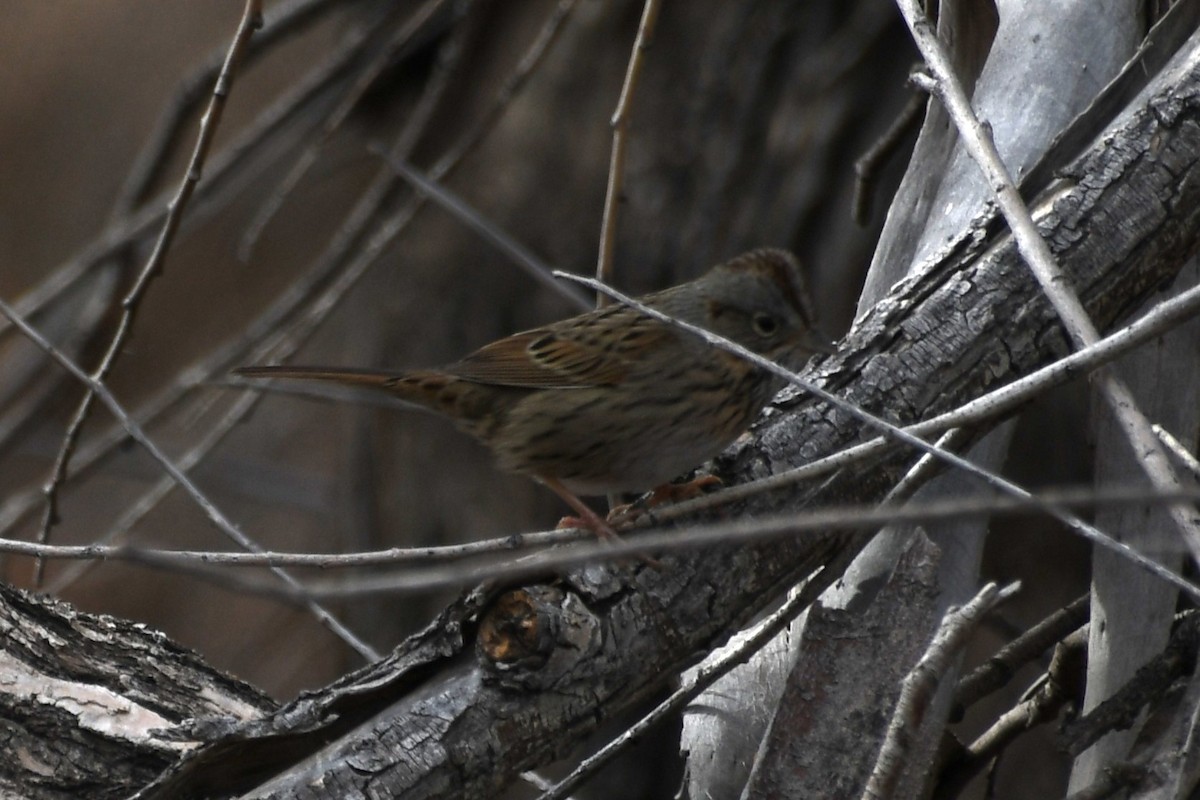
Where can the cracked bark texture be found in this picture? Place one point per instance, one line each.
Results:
(1027, 98)
(514, 678)
(455, 714)
(94, 706)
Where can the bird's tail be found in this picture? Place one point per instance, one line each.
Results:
(430, 390)
(376, 379)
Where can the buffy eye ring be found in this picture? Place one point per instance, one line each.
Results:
(765, 324)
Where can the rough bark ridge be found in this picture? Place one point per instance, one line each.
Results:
(456, 714)
(506, 681)
(95, 706)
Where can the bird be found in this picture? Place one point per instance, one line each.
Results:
(613, 400)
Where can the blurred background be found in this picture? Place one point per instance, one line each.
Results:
(744, 132)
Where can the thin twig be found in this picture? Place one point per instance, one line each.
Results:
(280, 345)
(538, 782)
(708, 674)
(719, 665)
(925, 467)
(287, 343)
(228, 165)
(1089, 532)
(324, 274)
(586, 550)
(1181, 453)
(871, 163)
(214, 514)
(140, 508)
(921, 685)
(620, 126)
(539, 270)
(125, 229)
(999, 669)
(832, 518)
(416, 122)
(1040, 704)
(286, 18)
(251, 21)
(1054, 282)
(391, 51)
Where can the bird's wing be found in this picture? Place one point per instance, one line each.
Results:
(578, 353)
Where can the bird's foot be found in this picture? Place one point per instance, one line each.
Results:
(665, 495)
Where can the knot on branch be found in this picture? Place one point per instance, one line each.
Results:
(534, 637)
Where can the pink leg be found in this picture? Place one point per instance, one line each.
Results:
(589, 518)
(664, 495)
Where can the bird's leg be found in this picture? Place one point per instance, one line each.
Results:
(664, 495)
(678, 492)
(587, 517)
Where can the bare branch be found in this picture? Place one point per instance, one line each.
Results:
(1177, 449)
(284, 20)
(1089, 532)
(580, 550)
(492, 233)
(922, 683)
(1039, 705)
(620, 126)
(251, 21)
(279, 345)
(403, 38)
(98, 389)
(1054, 282)
(999, 669)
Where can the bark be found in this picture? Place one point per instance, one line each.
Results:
(94, 706)
(1027, 97)
(507, 680)
(824, 736)
(1134, 614)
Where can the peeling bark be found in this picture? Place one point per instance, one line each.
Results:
(94, 706)
(454, 714)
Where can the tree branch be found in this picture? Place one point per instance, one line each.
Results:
(510, 678)
(506, 682)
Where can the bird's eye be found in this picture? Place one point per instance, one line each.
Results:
(765, 324)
